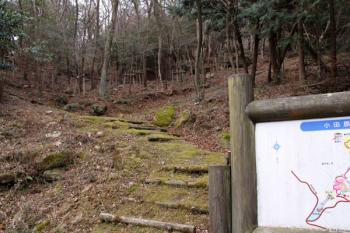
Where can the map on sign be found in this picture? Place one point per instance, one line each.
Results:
(303, 170)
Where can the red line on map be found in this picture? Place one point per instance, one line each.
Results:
(317, 201)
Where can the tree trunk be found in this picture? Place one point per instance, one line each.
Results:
(240, 45)
(107, 51)
(197, 78)
(1, 89)
(97, 36)
(274, 59)
(157, 15)
(333, 39)
(144, 70)
(256, 40)
(301, 51)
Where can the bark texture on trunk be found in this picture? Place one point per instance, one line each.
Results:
(107, 51)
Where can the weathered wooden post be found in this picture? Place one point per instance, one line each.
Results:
(220, 199)
(243, 170)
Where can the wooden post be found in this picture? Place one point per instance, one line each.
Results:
(243, 171)
(220, 199)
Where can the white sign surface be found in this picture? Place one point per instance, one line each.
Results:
(303, 170)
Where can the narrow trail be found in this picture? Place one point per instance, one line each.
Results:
(126, 168)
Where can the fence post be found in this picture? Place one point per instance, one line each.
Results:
(243, 170)
(220, 199)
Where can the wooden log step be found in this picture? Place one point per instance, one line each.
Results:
(177, 183)
(110, 218)
(191, 170)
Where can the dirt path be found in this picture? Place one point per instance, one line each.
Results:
(68, 168)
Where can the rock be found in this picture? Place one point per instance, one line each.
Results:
(184, 118)
(41, 226)
(121, 101)
(160, 138)
(53, 175)
(99, 110)
(164, 117)
(99, 134)
(7, 178)
(61, 101)
(72, 107)
(56, 160)
(54, 134)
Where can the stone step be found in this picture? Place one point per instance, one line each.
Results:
(171, 178)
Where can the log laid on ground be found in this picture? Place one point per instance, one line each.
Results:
(220, 199)
(301, 107)
(110, 218)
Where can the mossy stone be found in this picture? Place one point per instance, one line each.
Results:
(164, 117)
(72, 107)
(99, 109)
(56, 160)
(226, 136)
(184, 118)
(40, 227)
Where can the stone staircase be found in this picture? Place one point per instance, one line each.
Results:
(173, 186)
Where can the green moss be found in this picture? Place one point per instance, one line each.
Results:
(183, 119)
(139, 132)
(40, 227)
(226, 136)
(165, 116)
(56, 160)
(198, 181)
(133, 188)
(181, 195)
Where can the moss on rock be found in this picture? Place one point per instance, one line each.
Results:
(164, 117)
(184, 118)
(56, 160)
(40, 227)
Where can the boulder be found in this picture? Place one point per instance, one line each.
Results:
(7, 178)
(53, 175)
(61, 101)
(99, 109)
(184, 118)
(56, 160)
(72, 107)
(121, 101)
(164, 117)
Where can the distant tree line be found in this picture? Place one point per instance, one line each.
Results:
(108, 41)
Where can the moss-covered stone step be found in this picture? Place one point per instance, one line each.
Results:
(186, 169)
(175, 205)
(153, 211)
(181, 154)
(123, 228)
(180, 195)
(178, 179)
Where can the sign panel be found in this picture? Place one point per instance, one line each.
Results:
(303, 170)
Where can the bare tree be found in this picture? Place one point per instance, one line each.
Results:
(107, 51)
